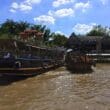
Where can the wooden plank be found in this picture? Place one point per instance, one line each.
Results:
(23, 70)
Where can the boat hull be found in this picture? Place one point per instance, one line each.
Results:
(23, 66)
(79, 67)
(24, 71)
(79, 62)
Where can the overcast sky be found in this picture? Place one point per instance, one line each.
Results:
(61, 16)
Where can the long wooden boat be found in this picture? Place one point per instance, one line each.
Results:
(21, 66)
(18, 58)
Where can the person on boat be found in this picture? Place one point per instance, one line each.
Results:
(8, 60)
(7, 55)
(29, 55)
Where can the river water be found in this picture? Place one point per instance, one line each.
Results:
(58, 90)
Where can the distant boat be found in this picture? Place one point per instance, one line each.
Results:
(78, 62)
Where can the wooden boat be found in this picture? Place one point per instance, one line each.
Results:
(18, 58)
(79, 62)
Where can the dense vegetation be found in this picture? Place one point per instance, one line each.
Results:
(99, 31)
(11, 29)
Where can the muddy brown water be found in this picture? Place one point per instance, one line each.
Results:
(58, 90)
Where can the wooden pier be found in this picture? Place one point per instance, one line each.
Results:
(101, 57)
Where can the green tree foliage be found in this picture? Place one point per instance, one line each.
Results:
(21, 26)
(99, 31)
(73, 35)
(47, 35)
(58, 40)
(10, 28)
(38, 27)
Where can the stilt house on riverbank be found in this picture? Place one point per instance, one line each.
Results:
(90, 44)
(31, 36)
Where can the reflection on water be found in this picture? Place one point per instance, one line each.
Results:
(58, 90)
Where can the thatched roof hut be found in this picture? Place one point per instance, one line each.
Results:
(90, 43)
